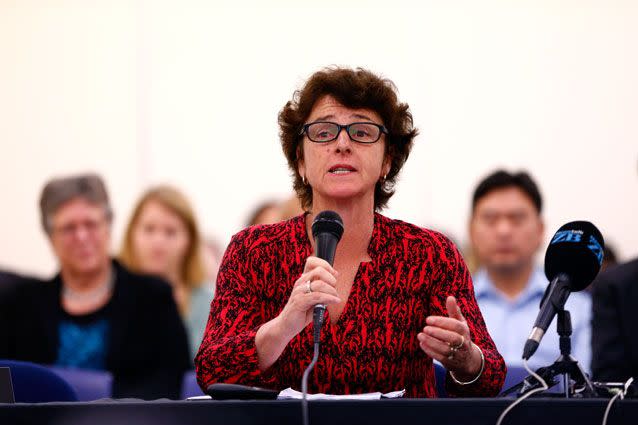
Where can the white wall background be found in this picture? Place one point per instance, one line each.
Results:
(188, 92)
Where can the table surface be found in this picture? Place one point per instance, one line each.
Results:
(537, 411)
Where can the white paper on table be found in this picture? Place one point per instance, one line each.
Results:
(199, 397)
(289, 393)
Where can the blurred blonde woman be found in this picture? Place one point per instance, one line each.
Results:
(162, 238)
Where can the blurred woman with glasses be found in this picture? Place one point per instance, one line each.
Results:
(398, 296)
(163, 239)
(95, 313)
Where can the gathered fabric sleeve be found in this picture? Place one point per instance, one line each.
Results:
(227, 352)
(451, 277)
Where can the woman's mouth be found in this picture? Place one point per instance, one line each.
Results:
(341, 169)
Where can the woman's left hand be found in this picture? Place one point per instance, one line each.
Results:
(447, 339)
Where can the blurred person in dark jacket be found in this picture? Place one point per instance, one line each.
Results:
(614, 332)
(94, 314)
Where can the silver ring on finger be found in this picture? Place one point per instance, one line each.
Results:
(453, 350)
(308, 287)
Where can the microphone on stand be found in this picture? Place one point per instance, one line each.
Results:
(327, 229)
(572, 261)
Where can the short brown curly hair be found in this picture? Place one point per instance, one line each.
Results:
(356, 89)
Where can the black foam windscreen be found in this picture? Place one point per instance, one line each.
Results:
(327, 229)
(577, 251)
(327, 222)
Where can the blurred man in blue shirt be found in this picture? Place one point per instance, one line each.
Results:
(506, 231)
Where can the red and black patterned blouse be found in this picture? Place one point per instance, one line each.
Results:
(373, 346)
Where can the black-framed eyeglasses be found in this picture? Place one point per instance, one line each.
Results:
(360, 132)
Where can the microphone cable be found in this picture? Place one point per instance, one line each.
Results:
(318, 318)
(620, 394)
(537, 390)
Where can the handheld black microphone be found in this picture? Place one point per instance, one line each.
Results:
(572, 261)
(327, 229)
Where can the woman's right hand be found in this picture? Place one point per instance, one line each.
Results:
(316, 285)
(273, 336)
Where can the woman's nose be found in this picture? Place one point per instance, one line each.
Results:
(343, 141)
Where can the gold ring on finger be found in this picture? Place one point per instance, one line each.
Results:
(459, 345)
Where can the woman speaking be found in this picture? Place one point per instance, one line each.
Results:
(398, 296)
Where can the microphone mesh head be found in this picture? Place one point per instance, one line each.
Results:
(576, 250)
(327, 222)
